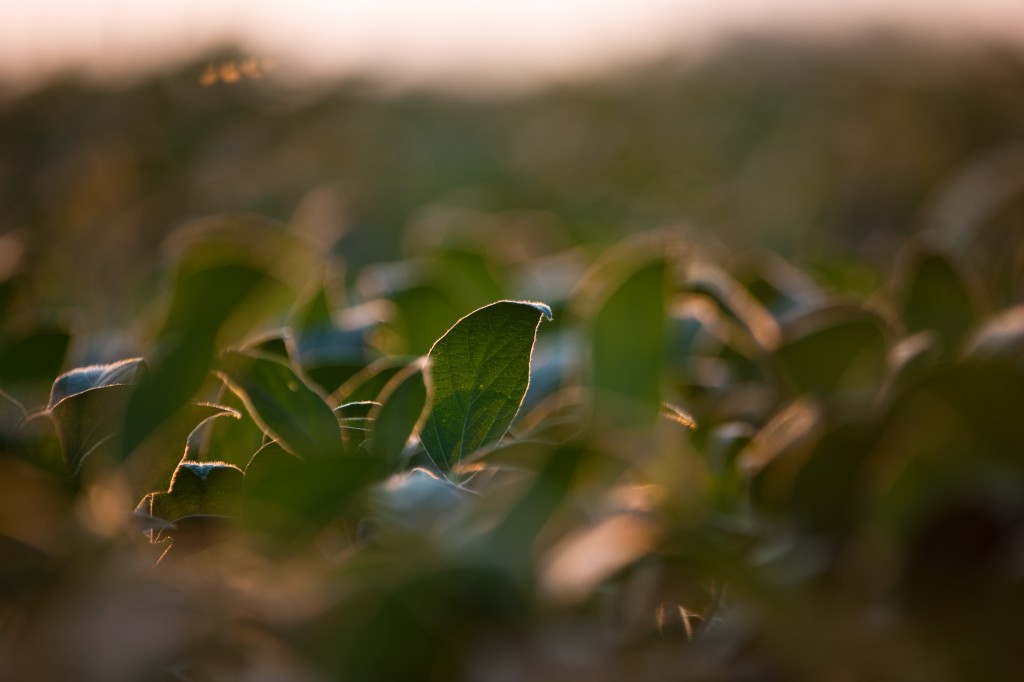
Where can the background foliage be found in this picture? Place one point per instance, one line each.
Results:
(771, 431)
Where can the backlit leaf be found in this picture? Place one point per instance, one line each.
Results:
(480, 370)
(283, 404)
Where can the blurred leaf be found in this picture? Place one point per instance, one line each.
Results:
(1000, 336)
(423, 311)
(401, 412)
(911, 358)
(289, 499)
(629, 340)
(479, 371)
(835, 349)
(980, 397)
(736, 302)
(277, 344)
(35, 355)
(36, 439)
(200, 489)
(8, 288)
(937, 296)
(284, 405)
(509, 543)
(12, 414)
(204, 297)
(414, 500)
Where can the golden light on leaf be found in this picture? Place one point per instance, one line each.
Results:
(575, 567)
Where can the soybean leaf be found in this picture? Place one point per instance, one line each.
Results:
(89, 421)
(228, 440)
(194, 444)
(88, 405)
(629, 344)
(358, 410)
(150, 465)
(423, 310)
(288, 498)
(282, 403)
(355, 422)
(8, 289)
(937, 296)
(414, 500)
(199, 489)
(204, 297)
(1000, 336)
(836, 348)
(480, 370)
(12, 414)
(400, 412)
(96, 376)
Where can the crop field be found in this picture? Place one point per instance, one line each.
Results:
(706, 371)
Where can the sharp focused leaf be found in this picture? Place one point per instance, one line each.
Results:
(283, 404)
(194, 444)
(401, 411)
(89, 420)
(200, 488)
(234, 441)
(480, 370)
(96, 376)
(90, 407)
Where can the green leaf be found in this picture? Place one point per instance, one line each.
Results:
(414, 500)
(401, 411)
(205, 296)
(629, 346)
(939, 297)
(839, 348)
(234, 441)
(199, 489)
(423, 310)
(480, 370)
(88, 405)
(288, 498)
(198, 437)
(283, 404)
(90, 420)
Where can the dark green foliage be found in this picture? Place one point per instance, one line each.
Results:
(801, 461)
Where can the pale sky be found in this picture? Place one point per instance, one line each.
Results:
(446, 40)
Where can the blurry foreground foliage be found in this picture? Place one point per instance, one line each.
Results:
(706, 374)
